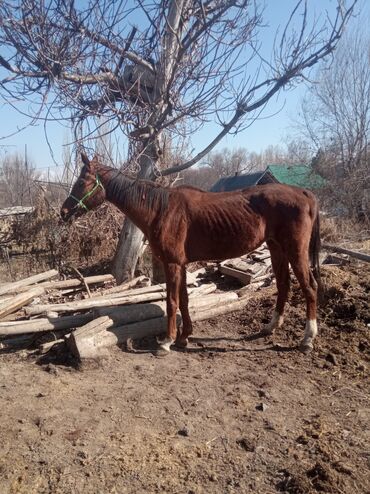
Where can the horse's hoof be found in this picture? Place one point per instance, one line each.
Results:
(306, 348)
(182, 343)
(161, 352)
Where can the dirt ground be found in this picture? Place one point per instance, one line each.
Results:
(231, 414)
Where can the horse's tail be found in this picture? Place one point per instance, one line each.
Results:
(314, 249)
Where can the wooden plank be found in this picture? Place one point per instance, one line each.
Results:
(19, 301)
(129, 293)
(140, 280)
(71, 283)
(204, 289)
(236, 273)
(10, 287)
(94, 302)
(357, 255)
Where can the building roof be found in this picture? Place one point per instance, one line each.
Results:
(299, 175)
(226, 184)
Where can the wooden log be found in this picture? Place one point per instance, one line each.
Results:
(130, 293)
(94, 302)
(10, 287)
(263, 277)
(357, 255)
(201, 290)
(140, 280)
(82, 343)
(19, 301)
(128, 314)
(236, 273)
(246, 266)
(89, 341)
(75, 282)
(204, 313)
(16, 342)
(110, 301)
(193, 278)
(139, 312)
(40, 325)
(145, 282)
(71, 283)
(46, 347)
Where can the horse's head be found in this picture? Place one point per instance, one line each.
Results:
(87, 192)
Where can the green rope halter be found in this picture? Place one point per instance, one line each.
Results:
(80, 202)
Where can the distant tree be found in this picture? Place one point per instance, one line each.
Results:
(203, 177)
(335, 120)
(230, 162)
(223, 163)
(17, 177)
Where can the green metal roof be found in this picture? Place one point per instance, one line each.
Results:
(299, 175)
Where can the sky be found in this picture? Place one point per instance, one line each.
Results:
(275, 124)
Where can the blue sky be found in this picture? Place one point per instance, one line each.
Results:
(276, 122)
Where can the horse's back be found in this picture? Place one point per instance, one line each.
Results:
(281, 197)
(262, 199)
(289, 212)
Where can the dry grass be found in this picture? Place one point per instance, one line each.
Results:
(344, 230)
(89, 240)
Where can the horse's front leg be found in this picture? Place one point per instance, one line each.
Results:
(173, 281)
(187, 326)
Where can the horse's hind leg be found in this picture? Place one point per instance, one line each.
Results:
(187, 326)
(280, 266)
(173, 283)
(301, 268)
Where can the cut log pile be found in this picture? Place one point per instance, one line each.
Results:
(62, 312)
(89, 314)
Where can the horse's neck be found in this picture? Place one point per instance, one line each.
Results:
(140, 200)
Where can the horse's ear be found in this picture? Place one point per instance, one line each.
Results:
(95, 160)
(85, 160)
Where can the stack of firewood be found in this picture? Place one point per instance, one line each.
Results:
(89, 314)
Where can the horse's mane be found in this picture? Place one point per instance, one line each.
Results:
(137, 193)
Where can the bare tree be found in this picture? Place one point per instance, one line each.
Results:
(335, 120)
(218, 164)
(189, 61)
(17, 176)
(229, 162)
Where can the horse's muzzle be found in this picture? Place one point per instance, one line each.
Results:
(65, 214)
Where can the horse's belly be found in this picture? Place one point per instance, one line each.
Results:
(203, 248)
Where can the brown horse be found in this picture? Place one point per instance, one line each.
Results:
(186, 224)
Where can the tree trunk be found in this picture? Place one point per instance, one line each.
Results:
(126, 256)
(131, 239)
